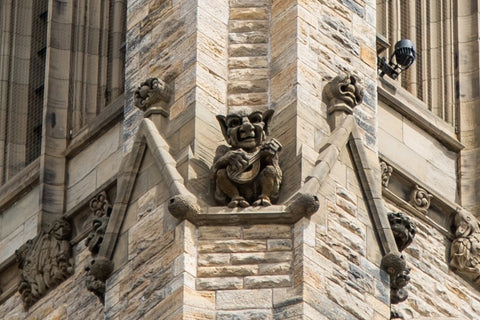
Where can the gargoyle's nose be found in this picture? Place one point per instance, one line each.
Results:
(246, 125)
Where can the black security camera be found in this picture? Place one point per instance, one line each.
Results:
(404, 55)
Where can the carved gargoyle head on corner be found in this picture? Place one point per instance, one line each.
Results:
(247, 171)
(343, 92)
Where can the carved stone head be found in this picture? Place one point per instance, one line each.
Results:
(245, 129)
(465, 224)
(61, 229)
(403, 229)
(345, 89)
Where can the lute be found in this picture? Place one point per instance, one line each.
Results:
(248, 172)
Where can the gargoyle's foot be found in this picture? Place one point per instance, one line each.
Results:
(238, 202)
(262, 201)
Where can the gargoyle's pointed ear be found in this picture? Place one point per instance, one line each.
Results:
(267, 116)
(223, 125)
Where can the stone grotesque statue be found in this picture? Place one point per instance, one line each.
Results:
(404, 231)
(45, 261)
(465, 249)
(246, 172)
(343, 93)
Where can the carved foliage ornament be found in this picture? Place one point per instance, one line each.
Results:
(404, 231)
(247, 171)
(150, 92)
(420, 199)
(45, 261)
(386, 173)
(99, 268)
(343, 93)
(101, 209)
(465, 249)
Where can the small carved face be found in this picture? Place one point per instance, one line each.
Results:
(61, 229)
(245, 129)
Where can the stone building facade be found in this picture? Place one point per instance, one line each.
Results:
(111, 201)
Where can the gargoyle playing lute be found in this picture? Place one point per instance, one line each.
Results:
(247, 172)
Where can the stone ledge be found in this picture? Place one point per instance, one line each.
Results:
(19, 184)
(276, 214)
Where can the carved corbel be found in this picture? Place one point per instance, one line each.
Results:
(465, 249)
(386, 173)
(152, 96)
(420, 199)
(45, 261)
(404, 231)
(99, 268)
(343, 93)
(98, 271)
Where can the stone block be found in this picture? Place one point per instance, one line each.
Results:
(244, 315)
(219, 232)
(93, 155)
(279, 244)
(274, 268)
(244, 299)
(219, 246)
(221, 283)
(249, 13)
(228, 271)
(247, 62)
(237, 26)
(260, 257)
(213, 259)
(267, 281)
(267, 232)
(251, 37)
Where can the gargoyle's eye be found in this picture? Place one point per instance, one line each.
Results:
(256, 118)
(234, 122)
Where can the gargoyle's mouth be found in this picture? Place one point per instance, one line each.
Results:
(243, 136)
(349, 90)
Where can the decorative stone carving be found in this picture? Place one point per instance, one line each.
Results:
(99, 268)
(150, 92)
(396, 315)
(45, 261)
(343, 93)
(420, 199)
(246, 172)
(101, 209)
(386, 173)
(404, 231)
(465, 249)
(98, 271)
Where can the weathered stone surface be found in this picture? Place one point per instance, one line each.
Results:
(260, 257)
(223, 232)
(221, 283)
(267, 232)
(231, 246)
(244, 299)
(45, 261)
(279, 245)
(264, 281)
(227, 271)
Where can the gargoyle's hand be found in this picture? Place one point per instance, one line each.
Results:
(236, 159)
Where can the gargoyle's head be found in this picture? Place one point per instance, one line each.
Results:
(244, 128)
(465, 224)
(346, 89)
(61, 229)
